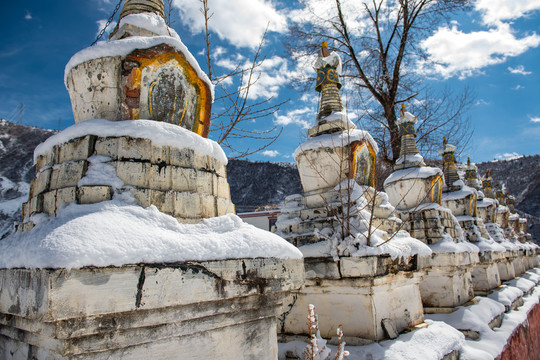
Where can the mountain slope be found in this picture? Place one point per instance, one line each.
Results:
(252, 184)
(17, 143)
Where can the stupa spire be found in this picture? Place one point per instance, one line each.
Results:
(471, 175)
(331, 117)
(487, 184)
(409, 155)
(142, 6)
(449, 165)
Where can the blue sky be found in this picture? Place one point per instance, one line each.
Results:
(494, 49)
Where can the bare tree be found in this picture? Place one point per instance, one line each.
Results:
(235, 109)
(379, 41)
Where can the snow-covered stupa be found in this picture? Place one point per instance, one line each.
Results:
(416, 190)
(462, 200)
(129, 248)
(360, 271)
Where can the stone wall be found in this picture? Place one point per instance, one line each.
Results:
(178, 181)
(525, 342)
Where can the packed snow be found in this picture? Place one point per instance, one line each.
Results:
(126, 46)
(441, 336)
(475, 317)
(117, 232)
(407, 117)
(160, 133)
(447, 245)
(485, 202)
(338, 115)
(336, 140)
(101, 173)
(412, 173)
(414, 158)
(430, 343)
(362, 240)
(458, 194)
(151, 22)
(333, 60)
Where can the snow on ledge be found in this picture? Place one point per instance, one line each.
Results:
(125, 46)
(412, 173)
(151, 22)
(115, 233)
(334, 140)
(160, 133)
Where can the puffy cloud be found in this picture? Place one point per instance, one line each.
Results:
(464, 54)
(241, 22)
(270, 153)
(101, 24)
(268, 78)
(301, 117)
(28, 15)
(535, 119)
(520, 69)
(495, 11)
(518, 87)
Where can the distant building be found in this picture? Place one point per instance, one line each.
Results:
(261, 219)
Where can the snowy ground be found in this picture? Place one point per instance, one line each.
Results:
(441, 337)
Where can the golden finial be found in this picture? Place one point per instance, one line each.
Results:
(444, 141)
(324, 49)
(468, 161)
(488, 173)
(403, 110)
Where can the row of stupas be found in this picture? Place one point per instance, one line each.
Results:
(138, 175)
(375, 261)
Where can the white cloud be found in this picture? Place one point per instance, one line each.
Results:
(463, 54)
(241, 22)
(535, 119)
(270, 153)
(495, 11)
(268, 78)
(520, 69)
(301, 117)
(101, 24)
(508, 156)
(518, 87)
(28, 15)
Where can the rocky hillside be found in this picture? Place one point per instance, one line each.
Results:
(17, 143)
(253, 184)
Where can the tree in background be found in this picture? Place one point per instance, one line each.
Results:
(234, 108)
(380, 43)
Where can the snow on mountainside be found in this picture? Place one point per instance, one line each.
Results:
(252, 184)
(17, 143)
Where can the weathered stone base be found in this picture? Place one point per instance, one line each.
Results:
(506, 268)
(358, 293)
(447, 281)
(485, 274)
(178, 181)
(429, 225)
(520, 263)
(192, 310)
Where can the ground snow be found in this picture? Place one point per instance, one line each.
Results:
(430, 343)
(475, 317)
(118, 233)
(160, 133)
